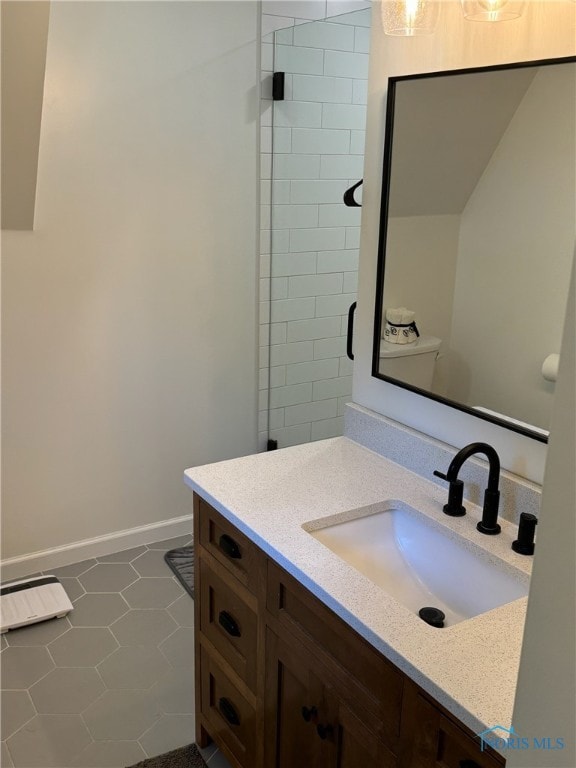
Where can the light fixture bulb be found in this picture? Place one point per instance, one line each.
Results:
(492, 10)
(408, 18)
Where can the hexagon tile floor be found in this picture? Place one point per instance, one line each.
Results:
(113, 682)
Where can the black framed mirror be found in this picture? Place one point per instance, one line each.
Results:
(477, 238)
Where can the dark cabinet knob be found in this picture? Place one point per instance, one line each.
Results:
(324, 731)
(309, 713)
(230, 547)
(468, 764)
(228, 711)
(228, 624)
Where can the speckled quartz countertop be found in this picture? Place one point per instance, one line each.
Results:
(471, 668)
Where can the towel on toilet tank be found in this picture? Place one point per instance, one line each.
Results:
(400, 326)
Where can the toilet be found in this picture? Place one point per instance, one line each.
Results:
(410, 363)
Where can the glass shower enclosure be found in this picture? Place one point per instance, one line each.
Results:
(310, 258)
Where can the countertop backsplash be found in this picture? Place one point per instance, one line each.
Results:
(423, 454)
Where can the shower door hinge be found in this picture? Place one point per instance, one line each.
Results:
(278, 86)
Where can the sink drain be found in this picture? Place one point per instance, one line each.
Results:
(433, 616)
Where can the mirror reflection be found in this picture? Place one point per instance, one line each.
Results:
(477, 238)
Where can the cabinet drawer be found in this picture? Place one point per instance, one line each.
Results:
(232, 719)
(228, 622)
(377, 684)
(230, 547)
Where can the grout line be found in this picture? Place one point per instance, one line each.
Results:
(118, 646)
(171, 669)
(81, 714)
(36, 713)
(5, 742)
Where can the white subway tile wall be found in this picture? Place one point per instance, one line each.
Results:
(359, 92)
(312, 146)
(320, 328)
(294, 352)
(315, 285)
(327, 428)
(325, 36)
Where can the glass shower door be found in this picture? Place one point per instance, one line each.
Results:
(317, 154)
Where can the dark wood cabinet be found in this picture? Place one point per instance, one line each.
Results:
(366, 682)
(295, 706)
(307, 721)
(230, 716)
(432, 740)
(358, 745)
(282, 682)
(229, 619)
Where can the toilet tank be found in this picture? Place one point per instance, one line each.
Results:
(411, 363)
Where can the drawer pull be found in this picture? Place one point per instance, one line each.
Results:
(468, 764)
(229, 547)
(228, 711)
(309, 713)
(324, 731)
(228, 623)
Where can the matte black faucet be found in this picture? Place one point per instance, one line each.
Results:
(489, 523)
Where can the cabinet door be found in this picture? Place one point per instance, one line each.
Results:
(358, 746)
(431, 740)
(307, 723)
(371, 681)
(295, 708)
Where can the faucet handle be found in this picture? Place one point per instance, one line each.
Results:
(524, 544)
(454, 508)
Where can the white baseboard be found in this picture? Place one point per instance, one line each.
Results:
(47, 559)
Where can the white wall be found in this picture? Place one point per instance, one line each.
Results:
(545, 704)
(24, 32)
(515, 254)
(426, 246)
(130, 312)
(545, 30)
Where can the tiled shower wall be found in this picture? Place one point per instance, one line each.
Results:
(309, 257)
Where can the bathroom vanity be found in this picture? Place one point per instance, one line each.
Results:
(303, 660)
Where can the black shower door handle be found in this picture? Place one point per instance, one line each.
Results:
(350, 331)
(349, 198)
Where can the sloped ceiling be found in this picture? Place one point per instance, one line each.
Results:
(24, 41)
(445, 132)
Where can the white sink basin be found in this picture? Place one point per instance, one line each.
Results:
(421, 564)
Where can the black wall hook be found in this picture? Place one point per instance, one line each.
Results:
(349, 196)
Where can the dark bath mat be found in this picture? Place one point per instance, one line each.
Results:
(181, 561)
(185, 757)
